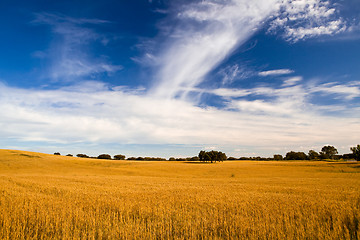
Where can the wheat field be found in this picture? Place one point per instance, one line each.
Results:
(55, 197)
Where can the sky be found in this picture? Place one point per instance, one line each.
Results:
(169, 78)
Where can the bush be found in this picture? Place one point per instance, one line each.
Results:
(69, 155)
(57, 153)
(80, 155)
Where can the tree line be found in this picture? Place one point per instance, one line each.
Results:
(327, 152)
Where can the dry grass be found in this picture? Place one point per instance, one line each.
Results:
(55, 197)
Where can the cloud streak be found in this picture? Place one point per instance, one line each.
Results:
(69, 52)
(275, 72)
(207, 32)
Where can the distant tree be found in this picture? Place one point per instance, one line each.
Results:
(194, 159)
(295, 156)
(202, 156)
(80, 155)
(313, 155)
(119, 157)
(232, 158)
(69, 155)
(356, 152)
(328, 152)
(221, 156)
(104, 156)
(131, 158)
(154, 159)
(212, 156)
(207, 157)
(278, 157)
(57, 153)
(172, 159)
(348, 156)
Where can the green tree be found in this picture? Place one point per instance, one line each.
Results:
(295, 156)
(278, 157)
(207, 157)
(328, 152)
(80, 155)
(202, 156)
(313, 155)
(356, 152)
(119, 157)
(104, 156)
(222, 156)
(212, 156)
(196, 158)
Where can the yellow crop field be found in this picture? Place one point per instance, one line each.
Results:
(55, 197)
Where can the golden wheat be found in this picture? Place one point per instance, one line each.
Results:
(54, 197)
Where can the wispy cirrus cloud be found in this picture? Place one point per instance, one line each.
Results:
(275, 72)
(69, 51)
(206, 33)
(346, 91)
(235, 72)
(292, 81)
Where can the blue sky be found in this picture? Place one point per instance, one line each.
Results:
(170, 78)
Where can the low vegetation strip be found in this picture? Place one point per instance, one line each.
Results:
(58, 197)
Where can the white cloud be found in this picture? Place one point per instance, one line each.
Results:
(275, 72)
(331, 28)
(226, 92)
(302, 19)
(347, 91)
(69, 55)
(101, 115)
(292, 81)
(207, 32)
(234, 72)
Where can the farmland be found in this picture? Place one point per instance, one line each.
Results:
(55, 197)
